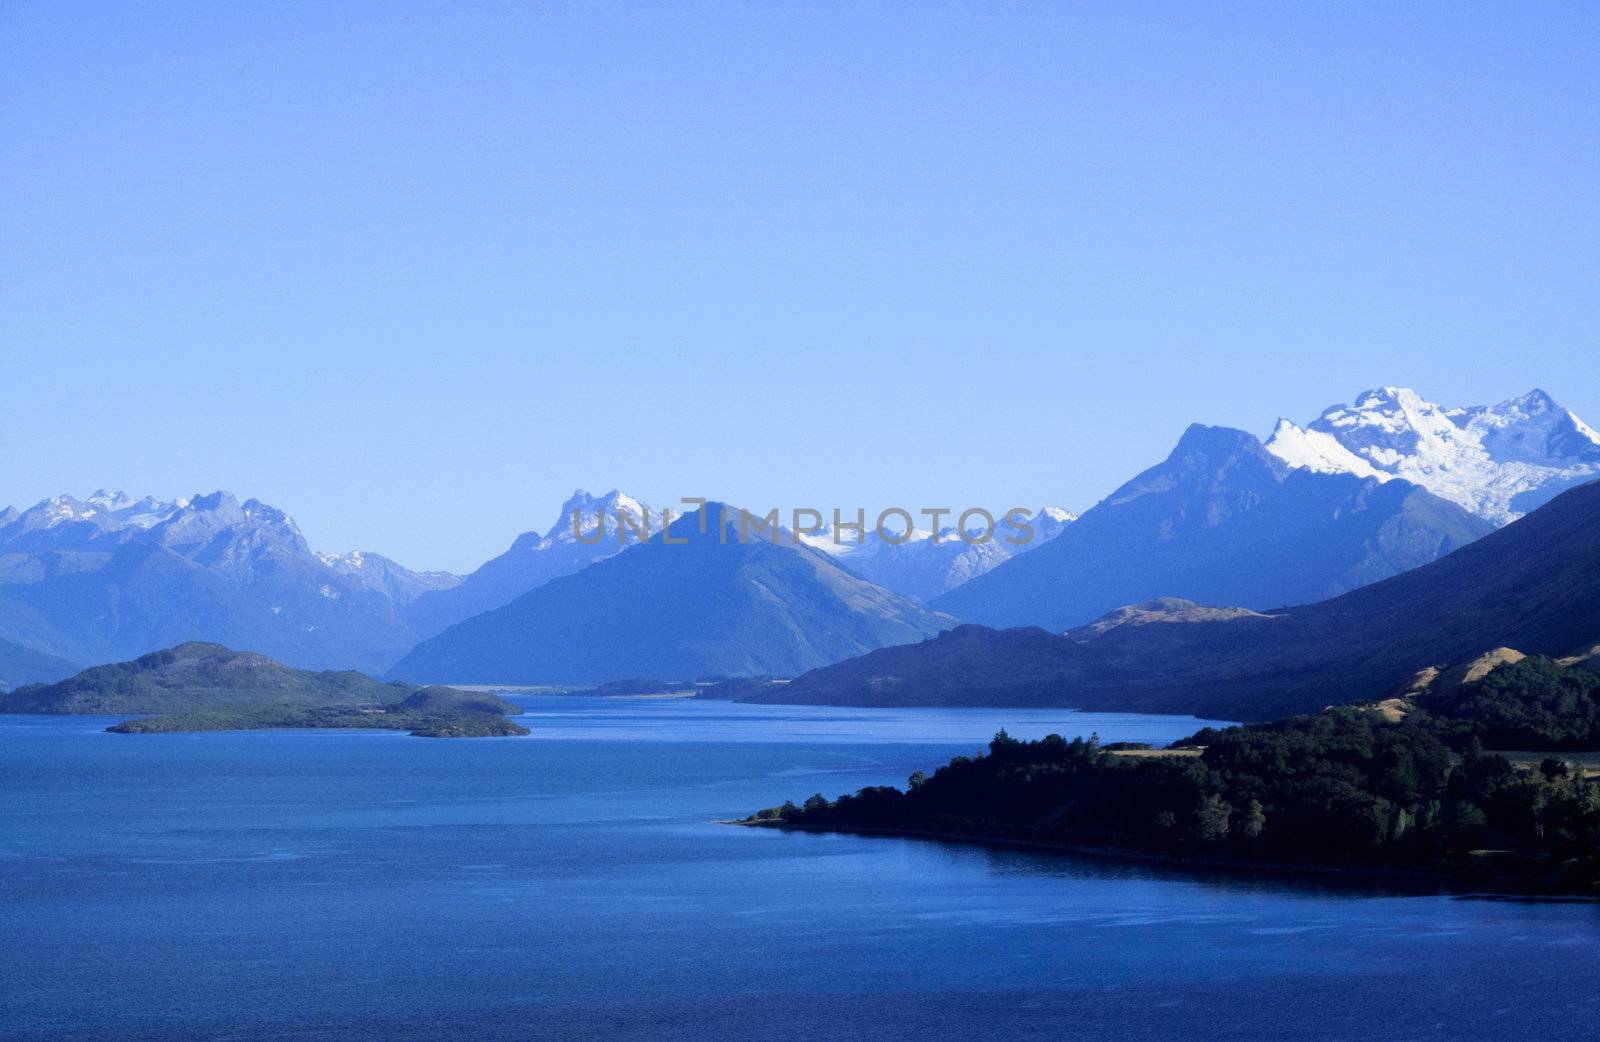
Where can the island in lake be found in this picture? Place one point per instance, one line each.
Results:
(208, 687)
(1403, 785)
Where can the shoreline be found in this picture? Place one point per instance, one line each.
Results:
(1415, 882)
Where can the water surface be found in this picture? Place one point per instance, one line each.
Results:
(368, 885)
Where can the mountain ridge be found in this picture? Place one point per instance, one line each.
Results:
(1220, 521)
(588, 529)
(1499, 461)
(110, 577)
(1532, 585)
(710, 605)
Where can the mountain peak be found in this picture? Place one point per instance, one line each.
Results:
(668, 610)
(1390, 394)
(1535, 401)
(579, 500)
(534, 558)
(1319, 451)
(1203, 447)
(218, 500)
(601, 510)
(1498, 461)
(256, 510)
(702, 523)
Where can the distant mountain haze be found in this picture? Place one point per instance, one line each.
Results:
(110, 578)
(535, 558)
(21, 665)
(712, 605)
(1363, 492)
(923, 566)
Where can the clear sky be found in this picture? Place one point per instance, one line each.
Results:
(414, 271)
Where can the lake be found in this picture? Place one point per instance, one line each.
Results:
(366, 885)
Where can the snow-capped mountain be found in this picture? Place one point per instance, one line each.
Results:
(1220, 521)
(63, 522)
(588, 529)
(1499, 461)
(111, 577)
(924, 567)
(395, 581)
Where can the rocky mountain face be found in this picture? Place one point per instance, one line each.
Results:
(704, 603)
(1498, 461)
(1220, 521)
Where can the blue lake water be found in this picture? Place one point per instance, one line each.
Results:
(363, 885)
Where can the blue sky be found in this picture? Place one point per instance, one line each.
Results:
(413, 272)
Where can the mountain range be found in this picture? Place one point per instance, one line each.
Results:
(922, 564)
(535, 558)
(110, 577)
(706, 603)
(1362, 493)
(1221, 521)
(1498, 461)
(1533, 585)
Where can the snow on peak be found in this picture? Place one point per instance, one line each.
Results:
(107, 511)
(1498, 461)
(1318, 451)
(1388, 395)
(59, 510)
(579, 500)
(615, 501)
(111, 501)
(354, 561)
(261, 512)
(593, 510)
